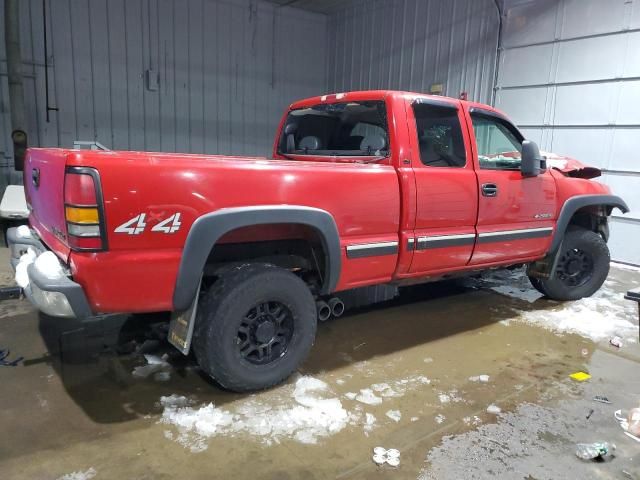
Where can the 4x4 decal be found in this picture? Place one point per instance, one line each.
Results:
(138, 224)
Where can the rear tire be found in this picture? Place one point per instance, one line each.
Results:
(582, 267)
(254, 327)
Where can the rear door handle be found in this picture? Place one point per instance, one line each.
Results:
(489, 189)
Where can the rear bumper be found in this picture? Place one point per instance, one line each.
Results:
(59, 296)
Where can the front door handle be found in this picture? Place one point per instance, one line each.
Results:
(489, 190)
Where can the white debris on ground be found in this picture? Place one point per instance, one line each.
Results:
(86, 475)
(156, 366)
(451, 396)
(479, 378)
(398, 388)
(369, 423)
(307, 414)
(475, 421)
(394, 415)
(304, 412)
(440, 418)
(599, 317)
(367, 396)
(493, 409)
(376, 393)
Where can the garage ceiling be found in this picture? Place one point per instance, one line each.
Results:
(318, 6)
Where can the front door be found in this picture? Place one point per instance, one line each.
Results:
(446, 186)
(515, 214)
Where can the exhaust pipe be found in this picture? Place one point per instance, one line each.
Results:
(337, 306)
(324, 310)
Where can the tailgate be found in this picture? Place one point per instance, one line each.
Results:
(44, 171)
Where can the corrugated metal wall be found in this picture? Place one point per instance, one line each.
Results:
(225, 69)
(411, 44)
(569, 75)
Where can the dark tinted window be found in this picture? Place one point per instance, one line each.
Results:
(342, 129)
(439, 136)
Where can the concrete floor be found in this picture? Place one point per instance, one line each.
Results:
(400, 375)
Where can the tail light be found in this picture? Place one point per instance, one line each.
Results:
(84, 209)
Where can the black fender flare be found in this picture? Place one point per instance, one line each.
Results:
(207, 230)
(573, 204)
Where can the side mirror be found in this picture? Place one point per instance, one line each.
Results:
(532, 162)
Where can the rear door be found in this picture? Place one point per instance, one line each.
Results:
(515, 214)
(446, 186)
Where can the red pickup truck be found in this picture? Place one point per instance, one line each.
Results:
(363, 189)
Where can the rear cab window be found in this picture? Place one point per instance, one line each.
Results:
(349, 129)
(439, 135)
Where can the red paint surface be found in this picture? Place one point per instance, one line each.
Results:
(392, 200)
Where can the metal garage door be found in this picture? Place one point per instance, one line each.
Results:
(570, 77)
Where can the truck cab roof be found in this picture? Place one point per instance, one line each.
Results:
(360, 95)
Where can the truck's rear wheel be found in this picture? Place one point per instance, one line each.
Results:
(254, 326)
(582, 267)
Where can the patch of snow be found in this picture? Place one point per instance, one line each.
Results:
(86, 475)
(175, 401)
(440, 418)
(369, 422)
(599, 317)
(351, 395)
(480, 378)
(48, 264)
(340, 381)
(451, 396)
(394, 415)
(428, 360)
(493, 409)
(367, 396)
(475, 420)
(23, 232)
(603, 315)
(398, 388)
(624, 266)
(307, 415)
(414, 419)
(22, 277)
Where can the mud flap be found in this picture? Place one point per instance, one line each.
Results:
(181, 326)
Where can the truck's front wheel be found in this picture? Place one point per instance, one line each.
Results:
(254, 326)
(581, 269)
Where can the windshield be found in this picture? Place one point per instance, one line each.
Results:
(350, 129)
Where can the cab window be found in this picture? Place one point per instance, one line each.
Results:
(337, 129)
(498, 146)
(439, 136)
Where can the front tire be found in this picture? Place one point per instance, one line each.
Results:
(582, 267)
(254, 327)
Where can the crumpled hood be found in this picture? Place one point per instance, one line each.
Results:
(570, 166)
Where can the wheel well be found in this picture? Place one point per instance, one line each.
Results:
(298, 248)
(593, 218)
